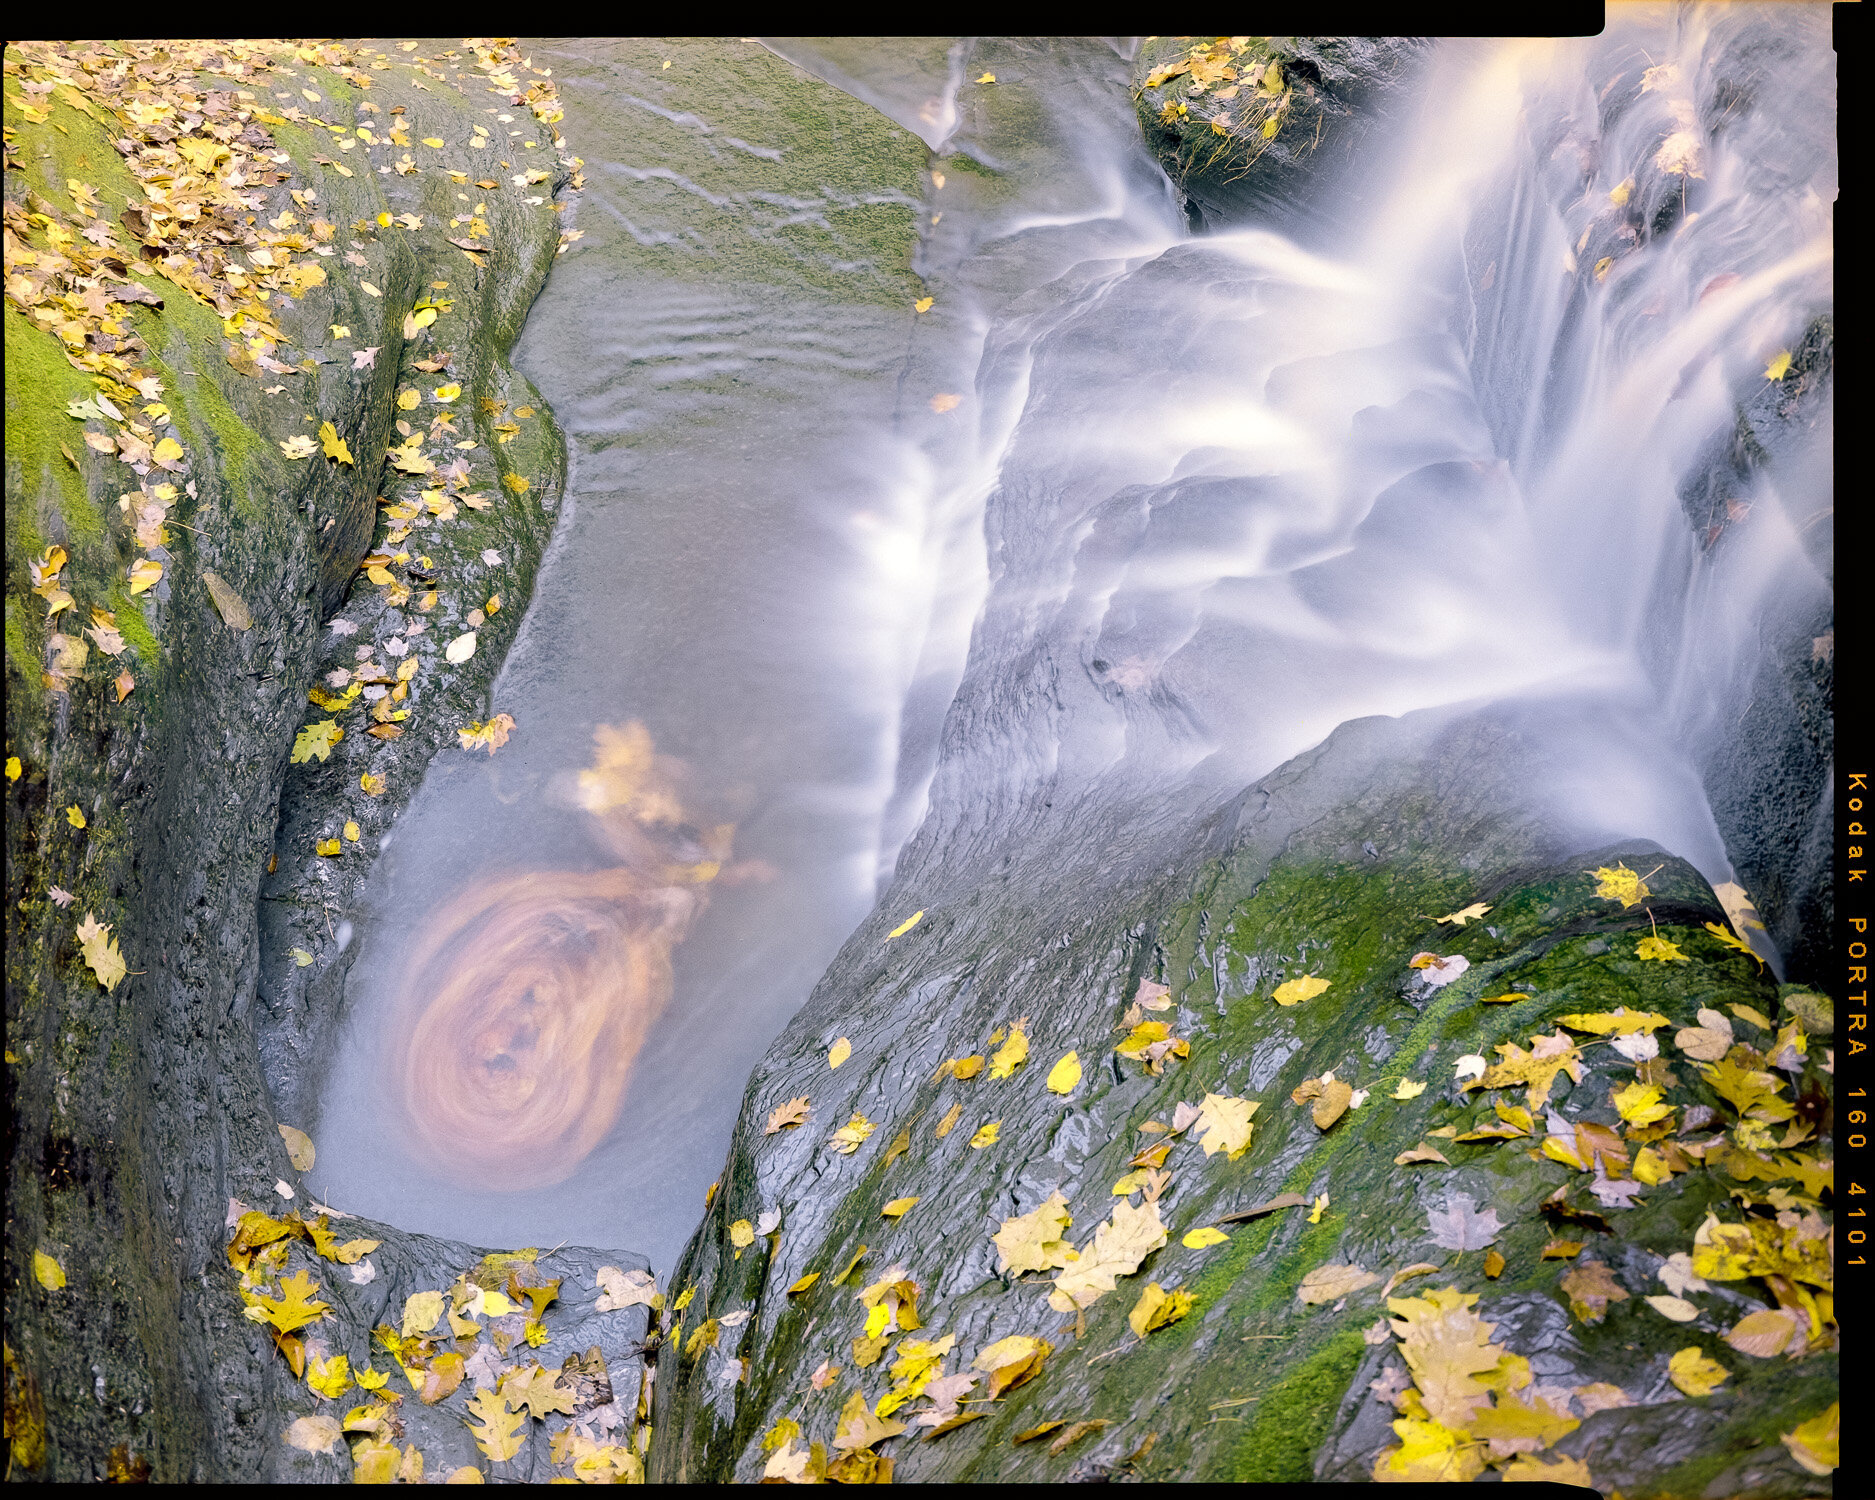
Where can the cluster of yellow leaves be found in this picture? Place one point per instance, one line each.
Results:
(1152, 1042)
(1463, 1412)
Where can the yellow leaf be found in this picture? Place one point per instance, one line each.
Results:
(334, 444)
(433, 142)
(1817, 1443)
(294, 1308)
(299, 1148)
(1225, 1125)
(421, 1312)
(517, 483)
(1620, 1022)
(407, 400)
(101, 953)
(1619, 194)
(839, 1052)
(1470, 913)
(897, 1208)
(447, 393)
(1620, 884)
(986, 1135)
(1011, 1055)
(48, 1272)
(1035, 1241)
(786, 1116)
(351, 833)
(1012, 1361)
(1694, 1373)
(1116, 1249)
(1204, 1239)
(1725, 936)
(742, 1234)
(1603, 266)
(1407, 1089)
(923, 304)
(1659, 950)
(316, 740)
(314, 1435)
(1779, 366)
(1639, 1103)
(331, 1377)
(498, 1435)
(849, 1137)
(13, 768)
(906, 926)
(949, 1122)
(987, 78)
(1320, 1207)
(1493, 1264)
(1065, 1074)
(75, 815)
(1156, 1308)
(1295, 991)
(966, 1068)
(166, 453)
(804, 1284)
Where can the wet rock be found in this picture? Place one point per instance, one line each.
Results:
(1252, 132)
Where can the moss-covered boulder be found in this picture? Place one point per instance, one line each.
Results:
(1246, 124)
(1486, 1104)
(259, 304)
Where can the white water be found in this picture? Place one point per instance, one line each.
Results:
(1200, 501)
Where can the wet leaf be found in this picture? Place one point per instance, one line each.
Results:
(1157, 1308)
(1761, 1334)
(48, 1272)
(333, 444)
(145, 573)
(299, 1148)
(906, 926)
(332, 1377)
(986, 1135)
(1679, 1309)
(1817, 1444)
(1462, 1225)
(1268, 1206)
(490, 735)
(1330, 1283)
(806, 1283)
(1493, 1264)
(1116, 1249)
(1065, 1074)
(1469, 914)
(497, 1431)
(1295, 991)
(1408, 1089)
(1035, 1241)
(849, 1137)
(923, 304)
(100, 952)
(949, 1122)
(1656, 949)
(1779, 366)
(1012, 1361)
(421, 1312)
(1011, 1055)
(1204, 1239)
(1422, 1152)
(1225, 1125)
(460, 649)
(295, 1307)
(1618, 1022)
(786, 1116)
(1619, 884)
(1694, 1373)
(1725, 936)
(1590, 1287)
(897, 1208)
(839, 1052)
(314, 1435)
(298, 446)
(316, 740)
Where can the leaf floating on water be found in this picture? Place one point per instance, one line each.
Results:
(489, 736)
(923, 304)
(1779, 366)
(299, 1148)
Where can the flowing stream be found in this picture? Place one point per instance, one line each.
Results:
(1129, 518)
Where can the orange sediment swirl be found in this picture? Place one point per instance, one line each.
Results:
(530, 997)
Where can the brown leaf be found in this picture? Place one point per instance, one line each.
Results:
(1421, 1268)
(786, 1116)
(1422, 1152)
(1333, 1103)
(1269, 1206)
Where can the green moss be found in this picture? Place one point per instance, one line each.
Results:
(1762, 1417)
(1280, 1446)
(39, 382)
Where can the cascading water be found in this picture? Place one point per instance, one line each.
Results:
(1144, 514)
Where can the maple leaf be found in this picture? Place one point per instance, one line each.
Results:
(101, 953)
(1012, 1054)
(1656, 949)
(1590, 1286)
(331, 1377)
(316, 740)
(1295, 991)
(1694, 1373)
(1620, 884)
(1116, 1249)
(1157, 1308)
(858, 1427)
(1469, 914)
(294, 1308)
(1723, 935)
(299, 446)
(1447, 1347)
(1330, 1283)
(538, 1391)
(489, 736)
(1035, 1241)
(499, 1433)
(1517, 1424)
(1639, 1104)
(1549, 1055)
(1461, 1225)
(333, 444)
(1225, 1123)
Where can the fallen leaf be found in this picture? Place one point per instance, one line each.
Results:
(945, 401)
(1656, 949)
(1494, 1264)
(906, 926)
(897, 1208)
(1035, 1241)
(1204, 1239)
(101, 953)
(1761, 1334)
(299, 1148)
(1779, 366)
(314, 1435)
(145, 573)
(1680, 1310)
(1694, 1373)
(786, 1116)
(923, 304)
(316, 740)
(1012, 1361)
(986, 1135)
(1461, 1225)
(948, 1123)
(1295, 991)
(1116, 1249)
(1011, 1055)
(498, 1434)
(806, 1283)
(1065, 1074)
(1408, 1089)
(1225, 1125)
(298, 446)
(1422, 1152)
(1817, 1444)
(1619, 884)
(333, 444)
(839, 1052)
(1590, 1287)
(1469, 914)
(1471, 1065)
(1330, 1283)
(421, 1312)
(849, 1137)
(1269, 1206)
(1332, 1104)
(460, 649)
(48, 1272)
(125, 685)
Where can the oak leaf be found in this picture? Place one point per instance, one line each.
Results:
(497, 1431)
(1116, 1249)
(786, 1116)
(1225, 1125)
